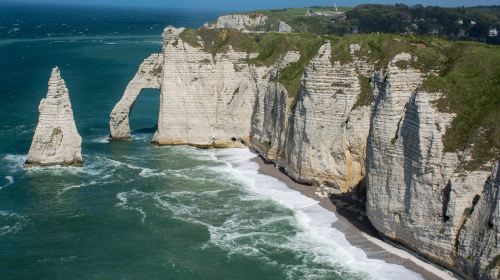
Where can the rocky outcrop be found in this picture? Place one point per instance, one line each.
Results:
(284, 27)
(148, 76)
(56, 140)
(349, 126)
(241, 21)
(477, 246)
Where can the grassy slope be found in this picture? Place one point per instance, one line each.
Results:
(297, 19)
(469, 74)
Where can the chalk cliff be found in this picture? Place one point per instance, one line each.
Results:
(241, 21)
(56, 140)
(353, 124)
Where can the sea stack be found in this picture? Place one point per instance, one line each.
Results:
(56, 140)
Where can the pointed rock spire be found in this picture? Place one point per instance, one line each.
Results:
(56, 140)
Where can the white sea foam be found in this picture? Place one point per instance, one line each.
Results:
(101, 140)
(143, 171)
(15, 161)
(263, 216)
(10, 181)
(90, 183)
(317, 236)
(124, 202)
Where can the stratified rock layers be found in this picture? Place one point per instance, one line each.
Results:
(56, 140)
(417, 194)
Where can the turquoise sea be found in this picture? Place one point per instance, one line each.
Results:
(136, 211)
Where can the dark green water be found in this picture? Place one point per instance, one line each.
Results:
(135, 211)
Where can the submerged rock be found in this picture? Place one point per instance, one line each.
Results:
(56, 140)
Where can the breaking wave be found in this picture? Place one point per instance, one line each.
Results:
(262, 218)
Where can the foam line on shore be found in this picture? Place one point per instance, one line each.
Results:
(328, 243)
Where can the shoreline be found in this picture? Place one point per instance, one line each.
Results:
(356, 227)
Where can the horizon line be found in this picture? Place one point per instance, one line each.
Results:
(128, 6)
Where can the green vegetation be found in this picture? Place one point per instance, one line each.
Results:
(469, 210)
(269, 46)
(495, 263)
(380, 49)
(469, 79)
(471, 23)
(365, 98)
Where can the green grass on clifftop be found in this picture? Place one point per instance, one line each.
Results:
(470, 81)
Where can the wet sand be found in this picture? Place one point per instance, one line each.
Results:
(352, 221)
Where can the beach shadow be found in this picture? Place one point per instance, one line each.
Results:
(351, 206)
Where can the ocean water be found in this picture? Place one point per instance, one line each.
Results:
(136, 211)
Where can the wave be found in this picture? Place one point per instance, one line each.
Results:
(14, 161)
(124, 201)
(11, 222)
(10, 181)
(144, 171)
(316, 240)
(262, 218)
(101, 140)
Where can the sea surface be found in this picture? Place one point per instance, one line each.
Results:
(136, 211)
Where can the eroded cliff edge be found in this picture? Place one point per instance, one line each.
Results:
(345, 113)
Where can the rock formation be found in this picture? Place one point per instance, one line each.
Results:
(284, 27)
(241, 21)
(350, 122)
(56, 140)
(148, 76)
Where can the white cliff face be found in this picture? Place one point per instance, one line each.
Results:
(241, 22)
(56, 140)
(416, 193)
(478, 246)
(321, 139)
(207, 100)
(320, 149)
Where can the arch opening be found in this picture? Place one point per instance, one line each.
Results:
(143, 116)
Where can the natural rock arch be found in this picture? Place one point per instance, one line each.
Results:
(148, 76)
